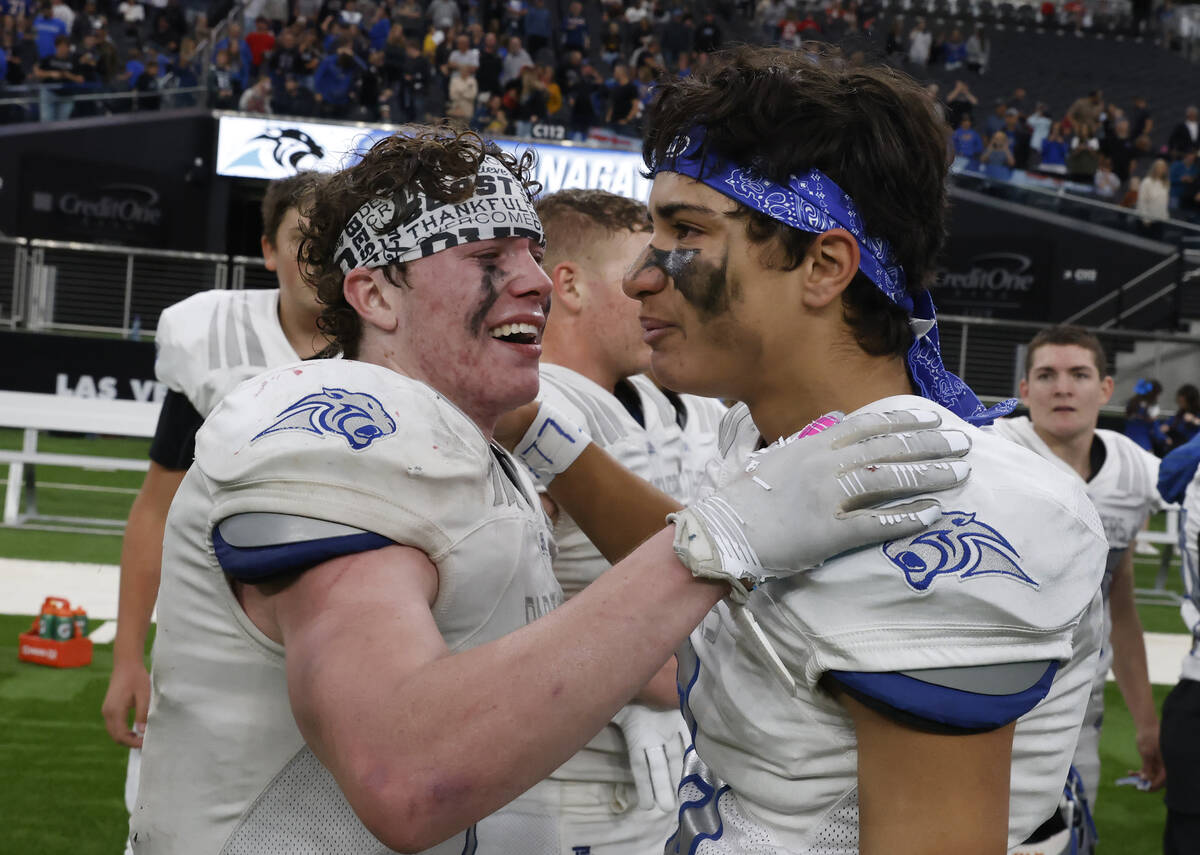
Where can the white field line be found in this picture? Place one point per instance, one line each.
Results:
(94, 488)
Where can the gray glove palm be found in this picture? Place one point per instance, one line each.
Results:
(819, 493)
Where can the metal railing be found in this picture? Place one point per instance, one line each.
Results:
(64, 286)
(43, 103)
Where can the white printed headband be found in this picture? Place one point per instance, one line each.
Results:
(499, 208)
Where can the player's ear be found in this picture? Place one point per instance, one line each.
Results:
(374, 303)
(268, 253)
(1106, 389)
(1023, 390)
(829, 264)
(568, 283)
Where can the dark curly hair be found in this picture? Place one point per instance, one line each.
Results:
(439, 162)
(873, 130)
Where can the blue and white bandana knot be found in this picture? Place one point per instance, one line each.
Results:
(812, 202)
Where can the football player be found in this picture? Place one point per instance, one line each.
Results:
(1066, 382)
(617, 795)
(1178, 482)
(206, 345)
(359, 645)
(923, 696)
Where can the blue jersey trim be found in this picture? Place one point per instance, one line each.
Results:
(258, 563)
(953, 707)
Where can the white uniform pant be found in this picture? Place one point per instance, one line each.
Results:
(590, 819)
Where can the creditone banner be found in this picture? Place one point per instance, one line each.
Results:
(268, 148)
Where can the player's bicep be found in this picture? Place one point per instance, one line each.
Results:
(902, 772)
(348, 625)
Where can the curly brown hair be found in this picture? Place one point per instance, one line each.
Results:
(873, 130)
(438, 162)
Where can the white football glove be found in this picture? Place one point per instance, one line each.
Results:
(814, 495)
(657, 741)
(551, 444)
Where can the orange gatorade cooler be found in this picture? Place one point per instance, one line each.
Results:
(58, 637)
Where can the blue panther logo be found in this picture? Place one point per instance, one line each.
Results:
(964, 546)
(357, 417)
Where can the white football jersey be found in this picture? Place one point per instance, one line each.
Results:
(212, 341)
(653, 451)
(1124, 492)
(225, 768)
(701, 418)
(776, 772)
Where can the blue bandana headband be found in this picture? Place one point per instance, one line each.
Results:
(813, 203)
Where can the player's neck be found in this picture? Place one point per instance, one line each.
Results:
(299, 325)
(796, 394)
(1075, 451)
(564, 347)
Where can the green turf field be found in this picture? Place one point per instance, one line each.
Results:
(63, 778)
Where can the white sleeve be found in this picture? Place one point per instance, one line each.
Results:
(352, 444)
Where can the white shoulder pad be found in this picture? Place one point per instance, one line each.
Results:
(704, 414)
(576, 397)
(350, 443)
(736, 429)
(1139, 468)
(213, 340)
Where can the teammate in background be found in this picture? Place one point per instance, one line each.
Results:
(358, 637)
(869, 705)
(206, 345)
(617, 795)
(1178, 482)
(1066, 382)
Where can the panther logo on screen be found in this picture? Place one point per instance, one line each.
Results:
(961, 546)
(357, 417)
(287, 147)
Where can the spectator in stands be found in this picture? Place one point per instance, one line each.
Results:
(260, 42)
(920, 42)
(1018, 136)
(575, 29)
(517, 59)
(1153, 197)
(464, 89)
(257, 99)
(417, 81)
(47, 29)
(240, 58)
(376, 96)
(539, 26)
(335, 81)
(612, 45)
(708, 36)
(1087, 110)
(491, 66)
(1039, 126)
(1140, 121)
(1185, 424)
(87, 21)
(443, 14)
(284, 59)
(1084, 157)
(309, 50)
(996, 120)
(1186, 135)
(678, 36)
(293, 99)
(490, 117)
(222, 85)
(1142, 409)
(150, 84)
(954, 53)
(1185, 186)
(893, 47)
(580, 100)
(133, 14)
(57, 72)
(967, 142)
(997, 158)
(1054, 151)
(1106, 182)
(960, 102)
(1121, 148)
(411, 19)
(623, 104)
(462, 55)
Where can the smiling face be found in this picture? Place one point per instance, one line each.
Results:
(468, 321)
(708, 333)
(1064, 391)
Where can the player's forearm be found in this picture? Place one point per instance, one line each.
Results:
(1130, 669)
(616, 509)
(464, 734)
(141, 572)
